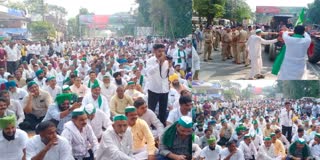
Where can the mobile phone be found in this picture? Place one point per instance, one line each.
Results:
(80, 99)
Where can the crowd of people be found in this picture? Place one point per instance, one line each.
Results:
(243, 45)
(266, 129)
(105, 99)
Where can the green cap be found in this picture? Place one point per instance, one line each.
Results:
(130, 109)
(63, 97)
(106, 76)
(130, 83)
(233, 118)
(89, 109)
(223, 121)
(247, 136)
(38, 72)
(267, 138)
(31, 83)
(5, 121)
(51, 78)
(254, 122)
(301, 141)
(185, 121)
(314, 118)
(95, 85)
(78, 112)
(272, 135)
(65, 88)
(119, 117)
(211, 140)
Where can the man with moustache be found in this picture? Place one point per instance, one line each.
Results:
(40, 80)
(60, 112)
(116, 141)
(81, 136)
(12, 140)
(48, 145)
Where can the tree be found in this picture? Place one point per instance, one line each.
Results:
(41, 30)
(209, 9)
(313, 12)
(16, 5)
(298, 89)
(72, 27)
(144, 12)
(238, 11)
(229, 94)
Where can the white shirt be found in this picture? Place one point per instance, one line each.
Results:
(18, 95)
(104, 105)
(100, 120)
(108, 92)
(294, 65)
(207, 153)
(61, 151)
(13, 150)
(315, 150)
(16, 107)
(248, 150)
(157, 83)
(112, 146)
(12, 54)
(285, 118)
(237, 156)
(151, 118)
(81, 141)
(265, 153)
(53, 92)
(175, 114)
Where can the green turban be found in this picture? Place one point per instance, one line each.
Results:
(6, 121)
(211, 140)
(63, 97)
(51, 78)
(38, 72)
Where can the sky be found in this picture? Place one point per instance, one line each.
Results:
(99, 7)
(256, 83)
(289, 3)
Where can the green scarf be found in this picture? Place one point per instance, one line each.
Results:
(99, 101)
(110, 72)
(169, 136)
(305, 150)
(179, 55)
(89, 84)
(141, 80)
(277, 63)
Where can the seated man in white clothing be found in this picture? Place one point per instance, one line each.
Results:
(48, 145)
(184, 110)
(12, 140)
(149, 116)
(212, 151)
(16, 93)
(52, 88)
(266, 151)
(248, 148)
(98, 120)
(117, 141)
(231, 152)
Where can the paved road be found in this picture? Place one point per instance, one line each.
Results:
(217, 69)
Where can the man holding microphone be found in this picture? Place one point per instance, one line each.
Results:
(159, 68)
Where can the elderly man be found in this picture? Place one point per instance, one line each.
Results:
(212, 151)
(184, 110)
(81, 136)
(116, 141)
(120, 101)
(98, 120)
(60, 112)
(175, 83)
(149, 116)
(12, 140)
(176, 141)
(141, 134)
(231, 152)
(108, 89)
(98, 100)
(48, 145)
(132, 92)
(36, 104)
(266, 151)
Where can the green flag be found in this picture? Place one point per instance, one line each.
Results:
(300, 18)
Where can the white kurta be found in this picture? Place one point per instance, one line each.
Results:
(183, 57)
(101, 120)
(151, 118)
(88, 99)
(195, 60)
(265, 153)
(114, 148)
(53, 92)
(207, 153)
(294, 65)
(13, 150)
(61, 151)
(18, 95)
(108, 92)
(237, 156)
(315, 149)
(248, 150)
(16, 107)
(81, 141)
(254, 46)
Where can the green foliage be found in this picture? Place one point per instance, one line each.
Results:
(229, 94)
(313, 12)
(238, 10)
(16, 5)
(41, 30)
(209, 8)
(72, 27)
(298, 89)
(170, 18)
